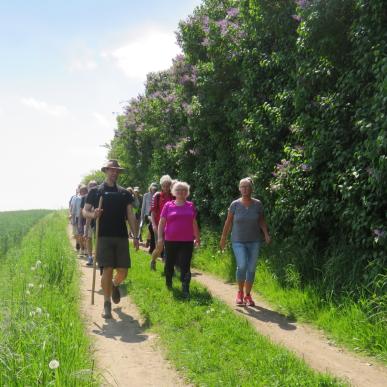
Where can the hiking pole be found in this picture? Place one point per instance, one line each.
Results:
(96, 251)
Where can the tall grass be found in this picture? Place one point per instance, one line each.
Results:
(40, 327)
(358, 323)
(207, 342)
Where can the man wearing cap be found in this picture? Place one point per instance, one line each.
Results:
(113, 244)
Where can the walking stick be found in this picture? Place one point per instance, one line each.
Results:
(96, 251)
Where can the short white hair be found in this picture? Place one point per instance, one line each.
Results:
(181, 184)
(165, 179)
(247, 180)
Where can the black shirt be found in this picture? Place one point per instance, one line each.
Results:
(114, 204)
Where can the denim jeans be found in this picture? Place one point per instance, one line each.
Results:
(246, 255)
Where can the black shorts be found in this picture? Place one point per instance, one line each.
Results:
(113, 252)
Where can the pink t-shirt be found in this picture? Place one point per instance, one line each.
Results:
(179, 221)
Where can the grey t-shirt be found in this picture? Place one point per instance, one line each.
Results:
(245, 226)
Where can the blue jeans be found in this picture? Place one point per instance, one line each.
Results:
(246, 255)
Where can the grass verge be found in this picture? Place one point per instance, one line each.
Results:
(207, 342)
(43, 341)
(346, 321)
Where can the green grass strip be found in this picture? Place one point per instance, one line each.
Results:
(207, 342)
(39, 319)
(347, 322)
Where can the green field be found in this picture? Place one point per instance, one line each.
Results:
(14, 225)
(40, 324)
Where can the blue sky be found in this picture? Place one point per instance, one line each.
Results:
(65, 69)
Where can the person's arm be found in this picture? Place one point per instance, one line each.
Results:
(196, 233)
(133, 224)
(91, 213)
(160, 235)
(144, 203)
(263, 226)
(226, 230)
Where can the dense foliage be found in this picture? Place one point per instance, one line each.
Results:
(294, 95)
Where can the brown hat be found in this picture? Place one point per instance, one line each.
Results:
(113, 164)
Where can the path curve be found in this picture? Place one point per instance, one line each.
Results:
(304, 340)
(125, 353)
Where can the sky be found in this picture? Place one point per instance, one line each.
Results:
(67, 69)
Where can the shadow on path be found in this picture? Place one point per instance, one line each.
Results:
(125, 329)
(266, 315)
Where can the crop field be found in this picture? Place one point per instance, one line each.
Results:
(14, 224)
(42, 337)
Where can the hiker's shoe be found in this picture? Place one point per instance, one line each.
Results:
(107, 310)
(249, 301)
(239, 298)
(185, 289)
(116, 296)
(153, 265)
(89, 261)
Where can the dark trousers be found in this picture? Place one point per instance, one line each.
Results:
(152, 244)
(178, 253)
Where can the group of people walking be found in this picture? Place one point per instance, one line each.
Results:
(173, 230)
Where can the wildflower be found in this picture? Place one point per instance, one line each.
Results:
(41, 286)
(232, 12)
(30, 285)
(297, 18)
(302, 3)
(38, 264)
(33, 268)
(205, 42)
(28, 292)
(54, 364)
(378, 232)
(32, 313)
(38, 310)
(305, 167)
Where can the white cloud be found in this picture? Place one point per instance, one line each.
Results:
(82, 64)
(152, 50)
(103, 120)
(44, 107)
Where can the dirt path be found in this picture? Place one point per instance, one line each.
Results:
(306, 342)
(126, 355)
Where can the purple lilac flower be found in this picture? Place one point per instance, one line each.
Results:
(232, 12)
(206, 24)
(299, 148)
(205, 42)
(379, 232)
(303, 3)
(223, 25)
(305, 167)
(170, 98)
(297, 18)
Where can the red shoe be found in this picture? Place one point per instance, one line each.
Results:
(248, 300)
(239, 298)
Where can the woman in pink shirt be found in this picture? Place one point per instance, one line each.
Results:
(180, 230)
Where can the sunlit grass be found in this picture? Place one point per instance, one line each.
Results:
(42, 337)
(207, 342)
(346, 321)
